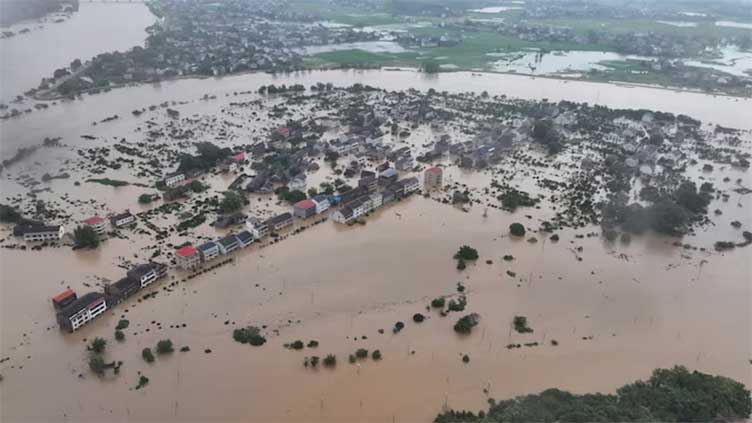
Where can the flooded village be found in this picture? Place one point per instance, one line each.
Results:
(367, 245)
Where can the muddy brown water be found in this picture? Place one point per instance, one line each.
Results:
(656, 306)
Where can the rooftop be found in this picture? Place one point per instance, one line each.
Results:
(63, 295)
(94, 220)
(305, 204)
(434, 170)
(186, 251)
(86, 300)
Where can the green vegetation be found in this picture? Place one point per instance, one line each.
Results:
(376, 355)
(108, 181)
(97, 364)
(670, 395)
(361, 353)
(10, 215)
(120, 335)
(438, 302)
(512, 198)
(458, 305)
(466, 323)
(85, 237)
(249, 335)
(197, 186)
(98, 345)
(147, 355)
(208, 156)
(122, 324)
(398, 327)
(291, 197)
(517, 229)
(164, 347)
(520, 324)
(142, 381)
(145, 198)
(313, 343)
(297, 345)
(231, 202)
(418, 318)
(193, 222)
(330, 360)
(466, 253)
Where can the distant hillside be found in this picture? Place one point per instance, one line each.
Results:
(12, 11)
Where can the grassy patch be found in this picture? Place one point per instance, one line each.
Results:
(357, 57)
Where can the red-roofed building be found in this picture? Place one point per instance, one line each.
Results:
(282, 131)
(97, 223)
(432, 178)
(239, 157)
(304, 209)
(64, 298)
(188, 257)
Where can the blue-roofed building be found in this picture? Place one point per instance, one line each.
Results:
(208, 251)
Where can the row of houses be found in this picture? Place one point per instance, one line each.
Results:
(370, 199)
(34, 232)
(190, 257)
(74, 312)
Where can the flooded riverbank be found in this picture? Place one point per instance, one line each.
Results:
(90, 31)
(70, 118)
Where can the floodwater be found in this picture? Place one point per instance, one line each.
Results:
(679, 24)
(26, 59)
(733, 60)
(733, 24)
(555, 62)
(496, 9)
(369, 46)
(645, 305)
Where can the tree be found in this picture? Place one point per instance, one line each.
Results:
(120, 335)
(97, 364)
(147, 355)
(330, 360)
(231, 202)
(438, 302)
(520, 324)
(466, 253)
(164, 347)
(517, 229)
(466, 323)
(670, 395)
(98, 345)
(249, 335)
(144, 198)
(431, 66)
(9, 215)
(75, 64)
(293, 196)
(85, 237)
(376, 355)
(361, 353)
(197, 186)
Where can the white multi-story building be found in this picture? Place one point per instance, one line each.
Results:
(43, 233)
(82, 311)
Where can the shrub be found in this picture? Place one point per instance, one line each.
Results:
(330, 360)
(96, 364)
(142, 381)
(164, 347)
(361, 353)
(85, 237)
(119, 335)
(249, 335)
(122, 324)
(376, 355)
(520, 324)
(438, 302)
(352, 358)
(147, 355)
(517, 229)
(144, 198)
(398, 327)
(465, 358)
(418, 318)
(458, 305)
(466, 323)
(313, 344)
(185, 349)
(466, 253)
(461, 264)
(314, 361)
(98, 345)
(297, 345)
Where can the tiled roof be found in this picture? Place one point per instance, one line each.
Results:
(186, 251)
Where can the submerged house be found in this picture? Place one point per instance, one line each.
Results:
(81, 311)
